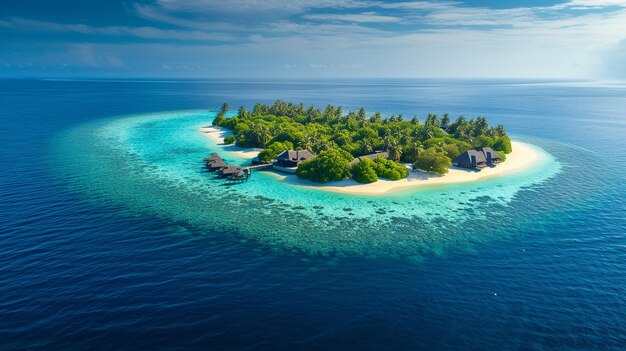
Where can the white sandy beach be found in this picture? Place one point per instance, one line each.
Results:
(522, 157)
(217, 135)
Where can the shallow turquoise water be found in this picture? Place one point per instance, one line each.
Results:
(152, 163)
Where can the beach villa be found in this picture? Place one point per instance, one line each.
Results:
(478, 158)
(491, 156)
(471, 159)
(288, 160)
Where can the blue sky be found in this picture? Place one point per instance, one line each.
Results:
(313, 38)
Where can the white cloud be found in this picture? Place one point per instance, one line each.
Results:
(428, 38)
(582, 4)
(365, 17)
(159, 15)
(140, 32)
(418, 5)
(467, 16)
(255, 6)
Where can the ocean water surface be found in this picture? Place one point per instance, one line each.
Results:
(112, 235)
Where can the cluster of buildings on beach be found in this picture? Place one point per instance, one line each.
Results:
(288, 162)
(478, 158)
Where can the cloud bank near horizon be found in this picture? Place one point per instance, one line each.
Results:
(314, 38)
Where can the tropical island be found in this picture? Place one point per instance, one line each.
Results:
(329, 145)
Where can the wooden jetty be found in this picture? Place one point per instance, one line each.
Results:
(231, 172)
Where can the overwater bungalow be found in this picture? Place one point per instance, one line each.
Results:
(289, 160)
(216, 165)
(213, 158)
(241, 175)
(230, 170)
(372, 157)
(471, 159)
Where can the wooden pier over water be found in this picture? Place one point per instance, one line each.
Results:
(215, 163)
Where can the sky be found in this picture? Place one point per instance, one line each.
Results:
(563, 39)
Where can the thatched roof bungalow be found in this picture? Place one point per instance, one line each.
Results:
(471, 159)
(491, 156)
(288, 160)
(214, 157)
(229, 170)
(217, 164)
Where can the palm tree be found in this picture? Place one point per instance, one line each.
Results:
(361, 114)
(404, 137)
(445, 121)
(418, 151)
(260, 135)
(224, 108)
(376, 118)
(480, 126)
(366, 146)
(310, 140)
(429, 132)
(323, 144)
(394, 148)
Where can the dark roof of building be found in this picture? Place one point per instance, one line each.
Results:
(373, 156)
(230, 169)
(214, 157)
(494, 155)
(217, 164)
(296, 156)
(466, 157)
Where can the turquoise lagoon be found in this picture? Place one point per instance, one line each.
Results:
(152, 165)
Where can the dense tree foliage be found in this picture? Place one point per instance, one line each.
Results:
(229, 140)
(359, 134)
(332, 164)
(274, 149)
(219, 118)
(433, 160)
(363, 172)
(389, 169)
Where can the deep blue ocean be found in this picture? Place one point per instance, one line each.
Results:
(86, 263)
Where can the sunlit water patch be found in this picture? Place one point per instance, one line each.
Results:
(152, 164)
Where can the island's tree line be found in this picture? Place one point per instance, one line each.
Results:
(338, 137)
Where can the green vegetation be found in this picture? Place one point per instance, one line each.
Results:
(364, 172)
(274, 149)
(432, 160)
(331, 164)
(229, 140)
(429, 146)
(389, 169)
(220, 117)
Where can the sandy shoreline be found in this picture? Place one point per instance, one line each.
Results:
(217, 135)
(522, 157)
